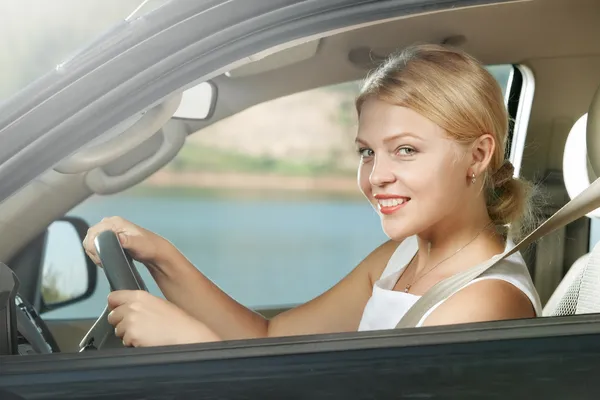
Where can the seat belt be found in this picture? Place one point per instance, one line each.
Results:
(586, 201)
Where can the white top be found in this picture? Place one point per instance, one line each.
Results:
(386, 307)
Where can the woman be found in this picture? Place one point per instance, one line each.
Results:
(431, 139)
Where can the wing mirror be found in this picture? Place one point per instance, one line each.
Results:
(68, 275)
(198, 102)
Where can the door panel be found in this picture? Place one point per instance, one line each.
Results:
(549, 358)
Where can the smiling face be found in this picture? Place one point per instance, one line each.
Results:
(412, 173)
(430, 119)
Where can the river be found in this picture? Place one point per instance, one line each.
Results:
(265, 253)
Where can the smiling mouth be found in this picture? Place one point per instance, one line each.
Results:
(391, 205)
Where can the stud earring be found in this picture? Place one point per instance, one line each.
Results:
(473, 178)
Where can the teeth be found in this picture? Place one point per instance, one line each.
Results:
(390, 202)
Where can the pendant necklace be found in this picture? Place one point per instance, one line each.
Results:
(408, 286)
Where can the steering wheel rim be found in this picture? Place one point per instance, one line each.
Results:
(122, 274)
(117, 263)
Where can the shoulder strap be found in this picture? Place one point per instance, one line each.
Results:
(401, 256)
(586, 201)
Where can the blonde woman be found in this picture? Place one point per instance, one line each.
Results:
(431, 139)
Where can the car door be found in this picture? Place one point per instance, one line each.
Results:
(547, 358)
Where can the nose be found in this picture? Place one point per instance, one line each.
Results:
(382, 172)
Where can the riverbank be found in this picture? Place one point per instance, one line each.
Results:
(218, 184)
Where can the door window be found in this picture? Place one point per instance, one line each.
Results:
(265, 202)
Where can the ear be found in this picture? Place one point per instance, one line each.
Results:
(482, 152)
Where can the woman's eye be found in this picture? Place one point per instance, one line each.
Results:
(364, 152)
(405, 151)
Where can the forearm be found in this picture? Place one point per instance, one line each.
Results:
(185, 286)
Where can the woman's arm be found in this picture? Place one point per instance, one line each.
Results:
(337, 310)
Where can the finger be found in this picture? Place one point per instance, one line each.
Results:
(127, 332)
(114, 224)
(122, 297)
(117, 315)
(120, 331)
(89, 250)
(128, 339)
(88, 242)
(119, 226)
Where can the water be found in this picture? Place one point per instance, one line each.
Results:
(264, 254)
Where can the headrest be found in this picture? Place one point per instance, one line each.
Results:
(577, 173)
(581, 157)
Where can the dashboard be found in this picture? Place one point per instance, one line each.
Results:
(22, 331)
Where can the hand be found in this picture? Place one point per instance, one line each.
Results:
(143, 320)
(143, 245)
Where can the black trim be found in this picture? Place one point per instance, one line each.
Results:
(27, 265)
(589, 235)
(514, 97)
(9, 285)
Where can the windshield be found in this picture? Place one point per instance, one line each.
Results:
(37, 35)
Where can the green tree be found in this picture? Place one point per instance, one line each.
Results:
(50, 291)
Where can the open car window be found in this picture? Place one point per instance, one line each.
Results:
(265, 203)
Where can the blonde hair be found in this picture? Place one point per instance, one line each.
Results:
(455, 91)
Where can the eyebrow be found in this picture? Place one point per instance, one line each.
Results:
(392, 138)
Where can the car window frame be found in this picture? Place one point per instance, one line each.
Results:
(513, 89)
(407, 361)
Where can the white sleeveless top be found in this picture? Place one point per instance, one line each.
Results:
(386, 307)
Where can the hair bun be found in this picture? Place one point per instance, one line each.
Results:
(503, 174)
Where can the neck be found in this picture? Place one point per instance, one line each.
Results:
(452, 234)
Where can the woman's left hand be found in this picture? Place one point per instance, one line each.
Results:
(143, 320)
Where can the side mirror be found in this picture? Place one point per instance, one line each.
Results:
(68, 275)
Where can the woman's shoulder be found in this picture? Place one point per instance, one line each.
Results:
(387, 257)
(504, 291)
(485, 300)
(512, 269)
(394, 261)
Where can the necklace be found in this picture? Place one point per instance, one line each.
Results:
(408, 286)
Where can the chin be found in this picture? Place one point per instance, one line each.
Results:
(397, 230)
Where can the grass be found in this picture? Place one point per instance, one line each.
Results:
(194, 157)
(237, 194)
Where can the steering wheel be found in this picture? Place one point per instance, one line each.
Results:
(22, 331)
(122, 275)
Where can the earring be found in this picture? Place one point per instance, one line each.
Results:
(473, 178)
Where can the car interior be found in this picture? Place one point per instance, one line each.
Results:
(551, 43)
